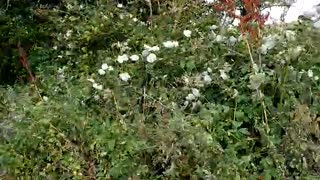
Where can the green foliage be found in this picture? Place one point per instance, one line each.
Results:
(191, 111)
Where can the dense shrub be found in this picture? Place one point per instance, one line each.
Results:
(173, 97)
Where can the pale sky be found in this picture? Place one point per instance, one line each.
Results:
(299, 8)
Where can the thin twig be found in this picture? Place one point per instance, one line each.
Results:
(258, 90)
(25, 63)
(8, 4)
(118, 111)
(151, 12)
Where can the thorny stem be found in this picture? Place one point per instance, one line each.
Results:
(118, 110)
(250, 54)
(25, 63)
(151, 12)
(35, 85)
(178, 16)
(258, 90)
(253, 15)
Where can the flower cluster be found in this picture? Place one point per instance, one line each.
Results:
(149, 54)
(192, 99)
(104, 68)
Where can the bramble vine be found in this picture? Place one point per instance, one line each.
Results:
(25, 64)
(250, 26)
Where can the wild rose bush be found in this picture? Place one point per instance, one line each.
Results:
(174, 97)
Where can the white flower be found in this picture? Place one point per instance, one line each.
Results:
(110, 68)
(195, 92)
(123, 58)
(264, 49)
(213, 27)
(220, 38)
(45, 98)
(290, 35)
(97, 86)
(91, 80)
(310, 73)
(235, 93)
(151, 58)
(135, 19)
(209, 70)
(186, 80)
(154, 48)
(150, 49)
(296, 52)
(124, 76)
(186, 103)
(61, 70)
(316, 78)
(96, 97)
(232, 40)
(145, 53)
(207, 79)
(205, 73)
(187, 33)
(68, 34)
(223, 75)
(146, 46)
(104, 66)
(269, 43)
(241, 37)
(209, 1)
(170, 44)
(190, 97)
(119, 5)
(134, 57)
(101, 72)
(175, 43)
(255, 67)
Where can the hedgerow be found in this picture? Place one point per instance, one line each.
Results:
(177, 95)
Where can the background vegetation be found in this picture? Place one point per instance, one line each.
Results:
(134, 91)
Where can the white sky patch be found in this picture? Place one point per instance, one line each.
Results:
(300, 7)
(275, 14)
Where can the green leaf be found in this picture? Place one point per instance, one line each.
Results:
(267, 175)
(182, 64)
(111, 144)
(236, 124)
(244, 131)
(256, 80)
(190, 65)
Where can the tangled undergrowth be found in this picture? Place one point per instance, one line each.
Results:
(176, 95)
